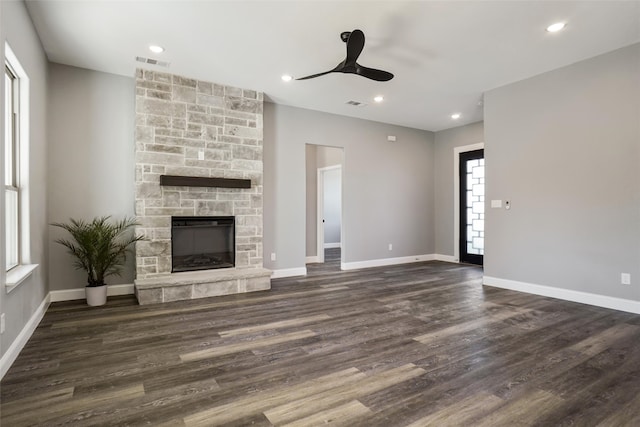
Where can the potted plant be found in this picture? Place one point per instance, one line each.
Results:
(100, 249)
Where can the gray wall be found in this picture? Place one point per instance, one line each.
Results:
(564, 147)
(329, 156)
(445, 142)
(91, 158)
(317, 156)
(388, 190)
(17, 30)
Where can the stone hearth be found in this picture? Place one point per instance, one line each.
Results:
(191, 128)
(202, 284)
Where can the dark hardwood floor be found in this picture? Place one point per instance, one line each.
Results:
(411, 345)
(331, 263)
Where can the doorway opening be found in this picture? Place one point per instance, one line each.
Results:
(329, 218)
(324, 237)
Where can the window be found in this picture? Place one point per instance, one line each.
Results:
(16, 172)
(11, 174)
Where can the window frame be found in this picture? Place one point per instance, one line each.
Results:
(13, 162)
(21, 89)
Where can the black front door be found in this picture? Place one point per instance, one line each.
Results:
(472, 207)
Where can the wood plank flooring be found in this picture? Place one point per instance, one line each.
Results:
(420, 344)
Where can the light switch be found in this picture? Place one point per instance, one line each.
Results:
(496, 203)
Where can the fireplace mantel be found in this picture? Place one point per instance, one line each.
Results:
(197, 181)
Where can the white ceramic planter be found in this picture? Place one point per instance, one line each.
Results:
(96, 295)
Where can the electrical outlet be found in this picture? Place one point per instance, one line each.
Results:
(625, 278)
(273, 256)
(201, 155)
(390, 247)
(2, 324)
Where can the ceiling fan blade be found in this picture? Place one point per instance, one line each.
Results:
(373, 74)
(355, 44)
(315, 75)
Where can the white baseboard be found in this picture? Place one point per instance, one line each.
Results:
(332, 245)
(78, 293)
(312, 259)
(565, 294)
(18, 344)
(386, 261)
(446, 258)
(289, 272)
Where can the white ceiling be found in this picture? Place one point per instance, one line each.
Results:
(444, 54)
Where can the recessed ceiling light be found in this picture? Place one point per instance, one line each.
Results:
(553, 28)
(379, 98)
(455, 116)
(286, 78)
(156, 49)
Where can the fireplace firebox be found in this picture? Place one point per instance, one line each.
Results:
(202, 242)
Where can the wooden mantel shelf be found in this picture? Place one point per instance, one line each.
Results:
(196, 181)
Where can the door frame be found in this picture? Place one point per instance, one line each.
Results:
(320, 210)
(470, 258)
(456, 194)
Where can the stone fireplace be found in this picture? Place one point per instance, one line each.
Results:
(198, 166)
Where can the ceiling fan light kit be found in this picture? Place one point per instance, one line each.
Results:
(355, 43)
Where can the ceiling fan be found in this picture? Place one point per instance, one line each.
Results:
(355, 43)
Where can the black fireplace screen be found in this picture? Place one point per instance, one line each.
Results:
(202, 242)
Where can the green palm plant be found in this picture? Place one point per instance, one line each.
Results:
(100, 246)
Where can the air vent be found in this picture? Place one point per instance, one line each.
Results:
(152, 61)
(356, 103)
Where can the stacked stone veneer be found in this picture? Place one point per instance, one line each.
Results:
(178, 120)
